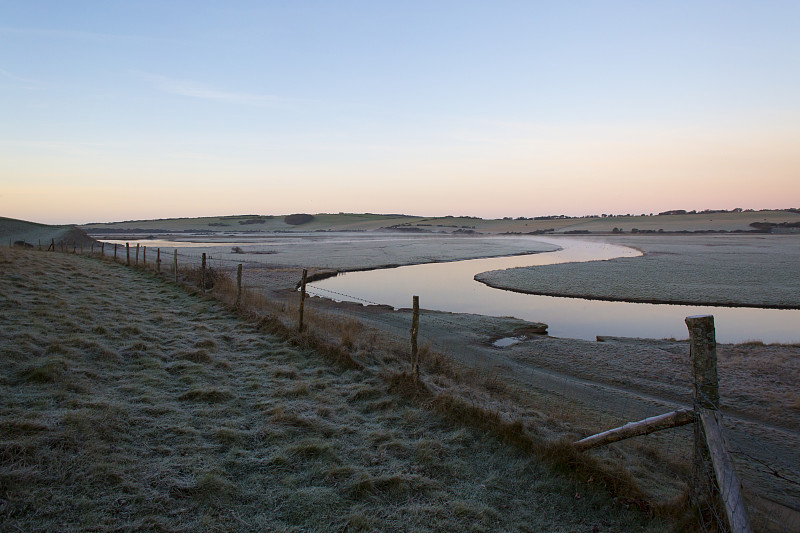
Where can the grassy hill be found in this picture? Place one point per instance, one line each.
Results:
(33, 233)
(723, 221)
(168, 412)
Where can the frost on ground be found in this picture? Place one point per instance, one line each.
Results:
(736, 270)
(356, 251)
(129, 404)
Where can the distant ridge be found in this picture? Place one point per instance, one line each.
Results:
(708, 221)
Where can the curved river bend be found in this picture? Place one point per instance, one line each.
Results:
(451, 287)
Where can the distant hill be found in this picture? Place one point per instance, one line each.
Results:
(668, 222)
(33, 233)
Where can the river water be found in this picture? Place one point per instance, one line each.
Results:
(451, 287)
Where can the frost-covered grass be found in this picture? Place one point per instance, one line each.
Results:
(759, 271)
(131, 404)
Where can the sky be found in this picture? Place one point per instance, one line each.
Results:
(156, 109)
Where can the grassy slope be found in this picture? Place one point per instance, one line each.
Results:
(34, 233)
(351, 222)
(129, 404)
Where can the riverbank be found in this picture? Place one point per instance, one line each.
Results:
(723, 270)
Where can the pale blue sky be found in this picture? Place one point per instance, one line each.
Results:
(139, 109)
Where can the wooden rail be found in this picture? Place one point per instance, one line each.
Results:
(635, 429)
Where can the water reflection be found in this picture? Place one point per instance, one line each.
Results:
(451, 287)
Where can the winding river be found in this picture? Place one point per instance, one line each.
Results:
(451, 287)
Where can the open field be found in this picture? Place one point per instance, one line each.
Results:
(728, 221)
(130, 404)
(733, 270)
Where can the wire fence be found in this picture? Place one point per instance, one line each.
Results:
(556, 402)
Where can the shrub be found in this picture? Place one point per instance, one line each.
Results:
(297, 219)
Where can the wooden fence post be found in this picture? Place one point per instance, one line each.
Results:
(92, 248)
(239, 285)
(203, 274)
(40, 245)
(302, 299)
(128, 253)
(102, 249)
(711, 457)
(175, 267)
(703, 352)
(414, 332)
(137, 254)
(158, 260)
(52, 245)
(144, 256)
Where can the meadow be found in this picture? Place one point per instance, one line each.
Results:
(132, 403)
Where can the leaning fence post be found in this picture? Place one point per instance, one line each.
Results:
(158, 260)
(176, 265)
(203, 274)
(414, 332)
(128, 253)
(302, 299)
(52, 245)
(239, 285)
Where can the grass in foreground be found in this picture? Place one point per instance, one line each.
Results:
(129, 404)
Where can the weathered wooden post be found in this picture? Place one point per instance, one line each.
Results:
(239, 285)
(52, 245)
(414, 332)
(128, 253)
(703, 352)
(302, 299)
(203, 274)
(144, 256)
(712, 460)
(40, 245)
(137, 254)
(158, 260)
(175, 267)
(75, 247)
(102, 249)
